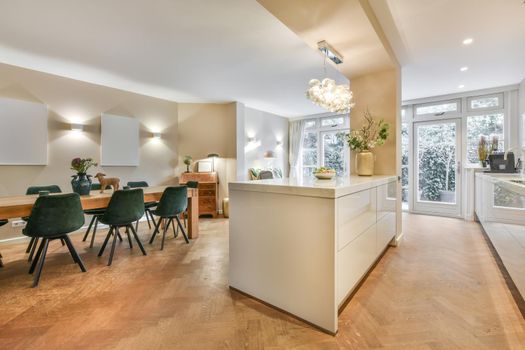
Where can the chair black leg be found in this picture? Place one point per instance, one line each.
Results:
(164, 234)
(147, 218)
(119, 236)
(152, 218)
(106, 241)
(74, 254)
(33, 248)
(30, 245)
(94, 234)
(137, 239)
(62, 241)
(175, 232)
(182, 229)
(155, 231)
(89, 228)
(36, 279)
(37, 257)
(113, 246)
(129, 238)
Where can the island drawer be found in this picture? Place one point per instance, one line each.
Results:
(355, 214)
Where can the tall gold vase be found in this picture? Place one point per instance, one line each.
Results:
(364, 163)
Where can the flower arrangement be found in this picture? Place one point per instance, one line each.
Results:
(81, 166)
(483, 149)
(494, 143)
(372, 134)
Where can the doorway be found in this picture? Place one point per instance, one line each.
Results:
(437, 167)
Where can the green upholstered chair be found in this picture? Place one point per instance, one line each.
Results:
(53, 217)
(2, 223)
(32, 190)
(94, 219)
(124, 208)
(173, 202)
(148, 206)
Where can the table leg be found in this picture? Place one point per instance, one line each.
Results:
(193, 217)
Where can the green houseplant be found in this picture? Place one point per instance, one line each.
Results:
(363, 140)
(187, 160)
(81, 182)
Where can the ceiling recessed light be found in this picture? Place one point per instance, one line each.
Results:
(464, 69)
(468, 41)
(461, 86)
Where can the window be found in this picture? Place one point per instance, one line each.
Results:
(437, 109)
(489, 125)
(487, 102)
(309, 154)
(332, 122)
(324, 144)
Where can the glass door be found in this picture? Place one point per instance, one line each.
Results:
(437, 167)
(334, 151)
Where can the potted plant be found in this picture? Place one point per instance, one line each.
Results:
(187, 160)
(483, 150)
(81, 182)
(364, 140)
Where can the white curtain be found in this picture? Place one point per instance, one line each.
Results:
(295, 146)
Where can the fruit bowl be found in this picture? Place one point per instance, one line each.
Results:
(324, 173)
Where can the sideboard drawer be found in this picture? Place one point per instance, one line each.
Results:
(207, 186)
(207, 193)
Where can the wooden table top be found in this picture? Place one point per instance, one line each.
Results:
(21, 205)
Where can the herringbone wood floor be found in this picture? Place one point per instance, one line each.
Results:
(441, 289)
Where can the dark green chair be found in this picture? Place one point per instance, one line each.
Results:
(173, 202)
(2, 223)
(32, 190)
(148, 206)
(94, 219)
(53, 217)
(124, 208)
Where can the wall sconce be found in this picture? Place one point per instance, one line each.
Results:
(279, 143)
(77, 127)
(252, 139)
(156, 135)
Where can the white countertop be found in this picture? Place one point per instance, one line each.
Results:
(505, 180)
(313, 187)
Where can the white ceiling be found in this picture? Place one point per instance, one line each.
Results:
(187, 51)
(427, 37)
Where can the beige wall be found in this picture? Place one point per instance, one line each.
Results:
(74, 101)
(379, 93)
(206, 128)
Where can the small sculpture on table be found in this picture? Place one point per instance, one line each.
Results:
(107, 181)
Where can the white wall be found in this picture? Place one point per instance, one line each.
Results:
(267, 128)
(522, 111)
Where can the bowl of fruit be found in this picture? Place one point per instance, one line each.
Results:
(324, 173)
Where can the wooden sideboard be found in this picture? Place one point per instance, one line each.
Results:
(208, 190)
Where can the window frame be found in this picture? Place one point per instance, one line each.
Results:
(500, 106)
(448, 114)
(320, 130)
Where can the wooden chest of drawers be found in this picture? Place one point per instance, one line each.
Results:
(208, 191)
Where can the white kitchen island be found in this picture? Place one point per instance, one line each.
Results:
(303, 246)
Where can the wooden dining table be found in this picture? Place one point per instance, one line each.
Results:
(19, 206)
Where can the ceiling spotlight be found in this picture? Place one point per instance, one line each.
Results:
(461, 86)
(468, 41)
(464, 69)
